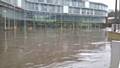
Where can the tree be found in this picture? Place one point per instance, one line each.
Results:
(112, 14)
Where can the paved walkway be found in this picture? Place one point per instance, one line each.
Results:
(115, 54)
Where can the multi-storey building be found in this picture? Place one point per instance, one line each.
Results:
(70, 10)
(80, 11)
(12, 2)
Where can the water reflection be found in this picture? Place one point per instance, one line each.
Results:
(54, 48)
(1, 43)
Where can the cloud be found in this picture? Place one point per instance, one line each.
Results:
(110, 3)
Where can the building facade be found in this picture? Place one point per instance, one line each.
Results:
(60, 11)
(12, 2)
(69, 10)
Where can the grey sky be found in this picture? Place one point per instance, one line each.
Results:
(110, 3)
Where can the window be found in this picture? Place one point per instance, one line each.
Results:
(76, 11)
(49, 1)
(66, 2)
(55, 1)
(84, 12)
(51, 8)
(70, 10)
(59, 9)
(81, 4)
(40, 0)
(60, 2)
(44, 8)
(73, 4)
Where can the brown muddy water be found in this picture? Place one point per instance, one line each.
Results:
(54, 48)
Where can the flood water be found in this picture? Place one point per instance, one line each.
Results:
(54, 48)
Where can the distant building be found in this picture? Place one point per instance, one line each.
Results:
(79, 11)
(12, 2)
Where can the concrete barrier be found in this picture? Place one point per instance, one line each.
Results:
(115, 54)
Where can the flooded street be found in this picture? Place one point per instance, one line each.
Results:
(54, 48)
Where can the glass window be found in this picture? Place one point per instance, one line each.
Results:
(55, 1)
(49, 1)
(44, 7)
(51, 8)
(60, 2)
(80, 4)
(83, 11)
(73, 4)
(58, 9)
(66, 2)
(76, 11)
(70, 3)
(70, 10)
(40, 0)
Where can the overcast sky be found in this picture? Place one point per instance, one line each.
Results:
(110, 3)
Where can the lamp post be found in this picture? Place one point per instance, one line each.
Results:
(115, 22)
(119, 17)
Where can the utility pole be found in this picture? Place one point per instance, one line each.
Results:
(119, 16)
(115, 22)
(119, 10)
